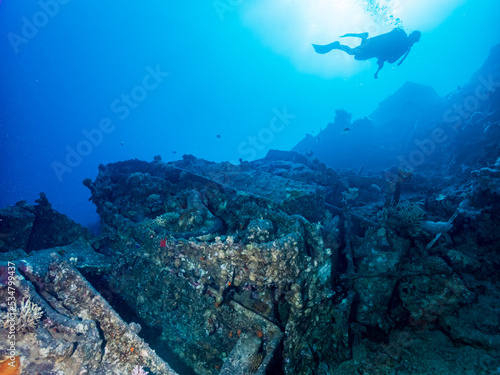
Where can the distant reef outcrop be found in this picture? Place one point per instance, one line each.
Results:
(417, 129)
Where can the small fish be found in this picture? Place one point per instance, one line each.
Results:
(174, 152)
(163, 242)
(345, 131)
(440, 197)
(218, 135)
(121, 143)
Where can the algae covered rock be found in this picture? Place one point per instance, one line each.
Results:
(16, 224)
(78, 331)
(37, 227)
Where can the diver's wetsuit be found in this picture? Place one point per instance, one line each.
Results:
(388, 47)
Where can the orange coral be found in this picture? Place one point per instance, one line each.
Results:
(259, 333)
(7, 369)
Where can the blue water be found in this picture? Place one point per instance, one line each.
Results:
(98, 82)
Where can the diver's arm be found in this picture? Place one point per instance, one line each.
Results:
(393, 59)
(404, 57)
(398, 51)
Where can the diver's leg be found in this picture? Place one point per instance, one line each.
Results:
(326, 47)
(363, 36)
(335, 45)
(347, 49)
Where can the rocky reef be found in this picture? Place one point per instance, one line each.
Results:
(277, 266)
(312, 273)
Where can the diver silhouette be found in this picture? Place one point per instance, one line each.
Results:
(385, 47)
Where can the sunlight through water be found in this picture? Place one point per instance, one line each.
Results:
(289, 27)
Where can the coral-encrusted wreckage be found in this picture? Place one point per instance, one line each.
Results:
(276, 266)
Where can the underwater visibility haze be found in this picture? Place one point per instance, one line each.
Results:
(250, 186)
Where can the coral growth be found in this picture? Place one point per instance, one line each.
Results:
(406, 217)
(138, 370)
(25, 317)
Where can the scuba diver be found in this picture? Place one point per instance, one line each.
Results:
(386, 47)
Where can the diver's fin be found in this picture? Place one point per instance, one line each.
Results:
(355, 35)
(325, 48)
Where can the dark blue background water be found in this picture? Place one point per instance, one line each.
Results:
(226, 83)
